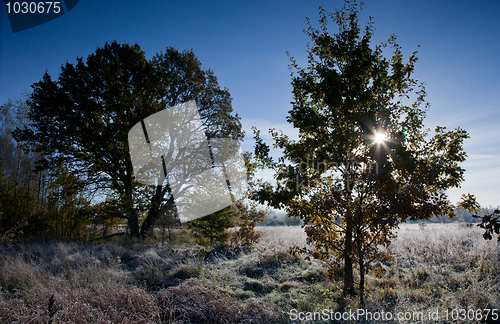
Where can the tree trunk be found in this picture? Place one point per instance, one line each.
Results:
(131, 214)
(156, 208)
(361, 284)
(361, 257)
(133, 224)
(132, 218)
(154, 211)
(348, 269)
(361, 272)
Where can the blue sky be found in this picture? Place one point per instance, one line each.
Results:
(245, 44)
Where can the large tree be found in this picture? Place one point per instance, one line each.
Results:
(363, 162)
(82, 120)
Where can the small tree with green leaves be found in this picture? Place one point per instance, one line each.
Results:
(361, 164)
(233, 226)
(214, 228)
(247, 217)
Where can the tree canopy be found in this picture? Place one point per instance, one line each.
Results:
(82, 120)
(363, 162)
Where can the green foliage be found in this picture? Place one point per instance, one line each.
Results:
(213, 229)
(361, 164)
(246, 218)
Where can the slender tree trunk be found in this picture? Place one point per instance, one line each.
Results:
(348, 269)
(29, 202)
(361, 256)
(39, 192)
(361, 262)
(361, 283)
(17, 201)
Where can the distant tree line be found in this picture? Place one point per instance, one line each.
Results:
(280, 219)
(461, 215)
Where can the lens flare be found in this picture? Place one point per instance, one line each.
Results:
(379, 138)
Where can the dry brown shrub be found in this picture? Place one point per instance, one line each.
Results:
(196, 304)
(17, 311)
(119, 305)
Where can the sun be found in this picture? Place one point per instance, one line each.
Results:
(379, 138)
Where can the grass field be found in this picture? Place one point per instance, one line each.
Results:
(436, 269)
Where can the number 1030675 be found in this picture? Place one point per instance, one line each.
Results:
(33, 7)
(471, 314)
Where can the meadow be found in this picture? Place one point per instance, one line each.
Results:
(439, 269)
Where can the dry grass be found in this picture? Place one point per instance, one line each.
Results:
(444, 266)
(441, 266)
(281, 236)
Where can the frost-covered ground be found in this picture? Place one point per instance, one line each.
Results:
(441, 267)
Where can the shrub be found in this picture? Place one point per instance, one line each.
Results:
(195, 304)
